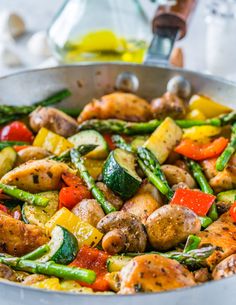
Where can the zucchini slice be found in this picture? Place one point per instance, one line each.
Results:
(7, 160)
(138, 142)
(91, 137)
(227, 196)
(119, 173)
(37, 215)
(117, 262)
(63, 247)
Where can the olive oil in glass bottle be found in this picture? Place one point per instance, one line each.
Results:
(100, 30)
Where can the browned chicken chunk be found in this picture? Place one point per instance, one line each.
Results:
(168, 105)
(18, 238)
(225, 268)
(153, 273)
(118, 105)
(220, 181)
(222, 235)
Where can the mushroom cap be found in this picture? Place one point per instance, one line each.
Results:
(129, 225)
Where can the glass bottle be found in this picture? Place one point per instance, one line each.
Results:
(100, 30)
(221, 38)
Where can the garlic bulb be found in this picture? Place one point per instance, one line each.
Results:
(38, 45)
(11, 24)
(9, 57)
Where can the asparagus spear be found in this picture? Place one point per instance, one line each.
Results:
(192, 243)
(152, 163)
(228, 152)
(82, 149)
(23, 195)
(132, 128)
(204, 185)
(97, 193)
(37, 253)
(22, 110)
(193, 258)
(205, 221)
(50, 268)
(4, 144)
(149, 164)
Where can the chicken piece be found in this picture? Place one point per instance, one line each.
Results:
(153, 273)
(36, 176)
(18, 238)
(202, 275)
(31, 153)
(115, 200)
(54, 120)
(89, 210)
(7, 273)
(222, 235)
(175, 175)
(168, 105)
(141, 205)
(220, 181)
(118, 105)
(34, 278)
(225, 268)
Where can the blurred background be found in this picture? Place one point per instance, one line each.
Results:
(209, 29)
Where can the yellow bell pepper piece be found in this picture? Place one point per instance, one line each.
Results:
(164, 139)
(94, 167)
(195, 114)
(49, 284)
(201, 133)
(207, 106)
(51, 141)
(83, 231)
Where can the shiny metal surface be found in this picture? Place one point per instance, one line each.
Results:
(86, 82)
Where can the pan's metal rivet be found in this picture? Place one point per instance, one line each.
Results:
(180, 86)
(127, 81)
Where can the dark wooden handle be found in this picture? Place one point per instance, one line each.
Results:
(174, 16)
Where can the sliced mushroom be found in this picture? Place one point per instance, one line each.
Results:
(31, 153)
(153, 273)
(175, 175)
(168, 105)
(123, 233)
(7, 273)
(170, 225)
(54, 120)
(36, 176)
(89, 210)
(148, 188)
(225, 268)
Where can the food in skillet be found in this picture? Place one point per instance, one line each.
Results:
(131, 197)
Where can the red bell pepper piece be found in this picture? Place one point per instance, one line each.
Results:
(195, 200)
(232, 211)
(16, 131)
(20, 147)
(71, 179)
(108, 139)
(69, 196)
(96, 260)
(197, 151)
(3, 208)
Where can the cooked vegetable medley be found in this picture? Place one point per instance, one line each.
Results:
(131, 197)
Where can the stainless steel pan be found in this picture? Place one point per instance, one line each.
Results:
(86, 82)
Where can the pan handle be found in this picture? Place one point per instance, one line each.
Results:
(176, 15)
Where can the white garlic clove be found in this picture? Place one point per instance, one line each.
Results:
(38, 45)
(11, 24)
(9, 57)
